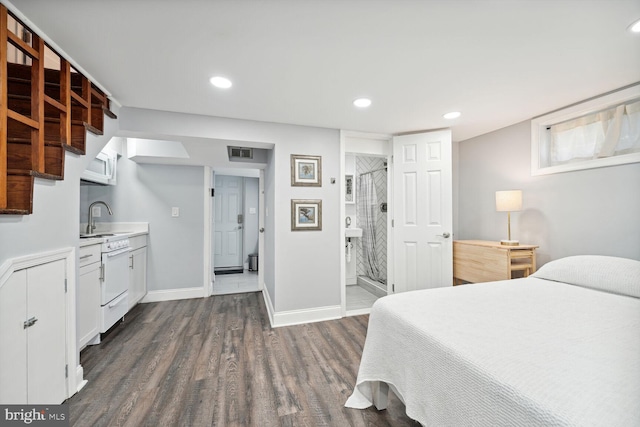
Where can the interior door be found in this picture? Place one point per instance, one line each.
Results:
(46, 339)
(13, 339)
(228, 221)
(423, 218)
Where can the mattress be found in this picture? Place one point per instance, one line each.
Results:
(519, 352)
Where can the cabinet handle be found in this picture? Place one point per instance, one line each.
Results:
(86, 256)
(102, 272)
(131, 258)
(30, 322)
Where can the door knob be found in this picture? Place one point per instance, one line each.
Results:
(445, 235)
(262, 229)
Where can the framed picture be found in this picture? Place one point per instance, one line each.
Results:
(306, 171)
(349, 189)
(306, 215)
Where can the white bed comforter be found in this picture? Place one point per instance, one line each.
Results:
(520, 352)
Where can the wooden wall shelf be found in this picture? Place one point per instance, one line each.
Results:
(46, 109)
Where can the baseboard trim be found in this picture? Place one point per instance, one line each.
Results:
(308, 315)
(268, 304)
(297, 317)
(81, 382)
(173, 294)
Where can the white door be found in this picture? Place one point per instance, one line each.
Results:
(227, 238)
(422, 211)
(13, 339)
(46, 339)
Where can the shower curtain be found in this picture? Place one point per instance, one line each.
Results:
(368, 207)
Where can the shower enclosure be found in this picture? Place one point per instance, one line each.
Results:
(371, 211)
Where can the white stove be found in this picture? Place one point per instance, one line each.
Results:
(114, 242)
(115, 278)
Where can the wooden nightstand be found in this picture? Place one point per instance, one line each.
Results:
(484, 261)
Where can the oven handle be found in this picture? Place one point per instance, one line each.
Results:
(117, 300)
(118, 252)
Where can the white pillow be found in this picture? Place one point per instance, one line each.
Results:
(605, 273)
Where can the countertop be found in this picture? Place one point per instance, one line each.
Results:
(130, 229)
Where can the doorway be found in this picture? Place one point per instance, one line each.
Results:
(366, 210)
(419, 220)
(235, 237)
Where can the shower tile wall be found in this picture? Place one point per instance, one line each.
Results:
(365, 164)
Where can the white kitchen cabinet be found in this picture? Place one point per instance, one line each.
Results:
(33, 335)
(137, 269)
(88, 296)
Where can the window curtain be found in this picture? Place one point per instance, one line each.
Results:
(606, 133)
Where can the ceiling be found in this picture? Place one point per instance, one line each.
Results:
(304, 62)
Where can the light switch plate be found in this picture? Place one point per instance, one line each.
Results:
(96, 211)
(175, 212)
(252, 211)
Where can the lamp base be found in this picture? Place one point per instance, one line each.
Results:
(509, 242)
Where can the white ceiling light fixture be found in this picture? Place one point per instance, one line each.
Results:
(221, 82)
(452, 115)
(362, 102)
(635, 27)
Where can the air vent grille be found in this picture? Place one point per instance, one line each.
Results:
(241, 153)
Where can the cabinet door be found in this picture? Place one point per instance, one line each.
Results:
(46, 339)
(13, 339)
(138, 276)
(88, 304)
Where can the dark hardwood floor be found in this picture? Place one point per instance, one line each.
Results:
(217, 361)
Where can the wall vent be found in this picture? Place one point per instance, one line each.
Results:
(240, 153)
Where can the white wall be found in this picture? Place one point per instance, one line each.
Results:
(302, 269)
(593, 211)
(146, 193)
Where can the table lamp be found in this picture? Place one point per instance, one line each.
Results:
(509, 201)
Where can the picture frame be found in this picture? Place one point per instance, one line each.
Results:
(349, 189)
(306, 171)
(306, 215)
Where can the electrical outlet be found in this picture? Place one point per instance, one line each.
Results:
(96, 211)
(175, 212)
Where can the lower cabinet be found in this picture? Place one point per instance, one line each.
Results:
(88, 296)
(33, 335)
(137, 269)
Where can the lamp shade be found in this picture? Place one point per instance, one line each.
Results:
(509, 200)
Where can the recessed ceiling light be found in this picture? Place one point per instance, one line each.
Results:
(220, 82)
(635, 27)
(362, 102)
(452, 115)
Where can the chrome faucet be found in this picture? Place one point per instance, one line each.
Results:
(91, 224)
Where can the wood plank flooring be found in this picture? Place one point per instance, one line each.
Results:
(217, 362)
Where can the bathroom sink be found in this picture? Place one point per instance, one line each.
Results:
(353, 232)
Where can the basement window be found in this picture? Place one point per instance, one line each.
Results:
(604, 131)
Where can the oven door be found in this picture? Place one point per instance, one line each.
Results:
(115, 274)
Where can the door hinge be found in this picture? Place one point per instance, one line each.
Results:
(392, 224)
(393, 287)
(66, 371)
(65, 286)
(213, 192)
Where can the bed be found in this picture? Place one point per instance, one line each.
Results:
(561, 347)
